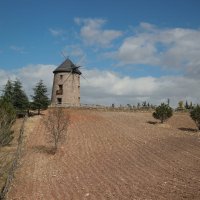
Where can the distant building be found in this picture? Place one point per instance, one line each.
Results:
(66, 85)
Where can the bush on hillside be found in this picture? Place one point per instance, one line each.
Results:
(163, 112)
(195, 115)
(7, 118)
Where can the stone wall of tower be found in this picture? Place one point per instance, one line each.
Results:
(70, 94)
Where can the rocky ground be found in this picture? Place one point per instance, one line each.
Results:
(111, 155)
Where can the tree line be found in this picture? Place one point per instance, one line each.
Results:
(14, 94)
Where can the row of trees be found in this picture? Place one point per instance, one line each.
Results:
(164, 112)
(186, 106)
(14, 102)
(14, 94)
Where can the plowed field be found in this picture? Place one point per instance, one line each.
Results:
(111, 155)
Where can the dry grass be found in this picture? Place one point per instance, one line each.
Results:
(7, 154)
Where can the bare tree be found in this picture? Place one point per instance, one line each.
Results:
(56, 123)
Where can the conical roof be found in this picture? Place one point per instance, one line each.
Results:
(68, 66)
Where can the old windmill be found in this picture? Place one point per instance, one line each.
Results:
(66, 84)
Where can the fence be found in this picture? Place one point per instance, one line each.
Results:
(127, 108)
(14, 163)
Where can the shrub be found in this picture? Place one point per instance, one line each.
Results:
(163, 112)
(181, 105)
(195, 115)
(7, 118)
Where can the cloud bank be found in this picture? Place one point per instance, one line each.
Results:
(107, 87)
(170, 48)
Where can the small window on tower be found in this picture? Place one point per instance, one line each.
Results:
(59, 100)
(61, 77)
(60, 90)
(60, 87)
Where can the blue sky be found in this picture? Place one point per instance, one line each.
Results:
(134, 48)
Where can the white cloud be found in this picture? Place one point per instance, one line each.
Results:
(146, 26)
(137, 50)
(108, 87)
(168, 48)
(113, 84)
(92, 32)
(56, 32)
(17, 49)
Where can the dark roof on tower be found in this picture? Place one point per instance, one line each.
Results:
(68, 66)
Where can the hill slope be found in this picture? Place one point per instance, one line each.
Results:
(111, 155)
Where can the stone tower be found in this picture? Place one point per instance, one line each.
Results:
(66, 85)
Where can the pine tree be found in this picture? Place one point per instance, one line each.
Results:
(40, 98)
(8, 92)
(191, 105)
(186, 105)
(168, 101)
(20, 99)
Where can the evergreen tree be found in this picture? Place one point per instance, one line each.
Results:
(191, 105)
(40, 98)
(20, 100)
(144, 104)
(8, 92)
(168, 101)
(187, 105)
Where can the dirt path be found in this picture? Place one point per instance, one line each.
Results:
(111, 155)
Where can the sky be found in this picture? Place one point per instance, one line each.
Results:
(130, 51)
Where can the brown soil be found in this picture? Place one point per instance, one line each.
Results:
(109, 155)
